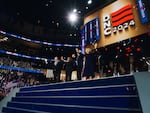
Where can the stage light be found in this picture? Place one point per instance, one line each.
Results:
(70, 35)
(89, 2)
(109, 71)
(131, 54)
(128, 49)
(138, 49)
(79, 12)
(73, 17)
(127, 55)
(74, 10)
(46, 5)
(124, 44)
(135, 40)
(46, 62)
(116, 56)
(57, 24)
(118, 47)
(142, 40)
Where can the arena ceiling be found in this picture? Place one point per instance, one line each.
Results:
(51, 15)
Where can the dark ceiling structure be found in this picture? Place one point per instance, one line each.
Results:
(46, 20)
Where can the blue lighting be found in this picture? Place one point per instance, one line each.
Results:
(24, 56)
(38, 42)
(20, 69)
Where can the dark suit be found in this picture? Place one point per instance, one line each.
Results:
(57, 71)
(69, 68)
(79, 65)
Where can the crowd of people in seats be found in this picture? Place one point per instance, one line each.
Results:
(6, 61)
(10, 79)
(83, 64)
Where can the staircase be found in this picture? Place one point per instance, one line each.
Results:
(108, 95)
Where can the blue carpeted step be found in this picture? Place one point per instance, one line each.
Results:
(62, 108)
(111, 95)
(75, 84)
(20, 110)
(125, 89)
(122, 101)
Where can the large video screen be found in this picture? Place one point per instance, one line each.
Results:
(143, 10)
(91, 31)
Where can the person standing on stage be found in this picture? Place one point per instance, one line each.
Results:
(57, 69)
(69, 68)
(62, 62)
(79, 63)
(89, 64)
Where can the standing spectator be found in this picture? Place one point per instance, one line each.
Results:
(89, 64)
(79, 62)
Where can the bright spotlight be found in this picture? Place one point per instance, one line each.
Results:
(89, 2)
(73, 17)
